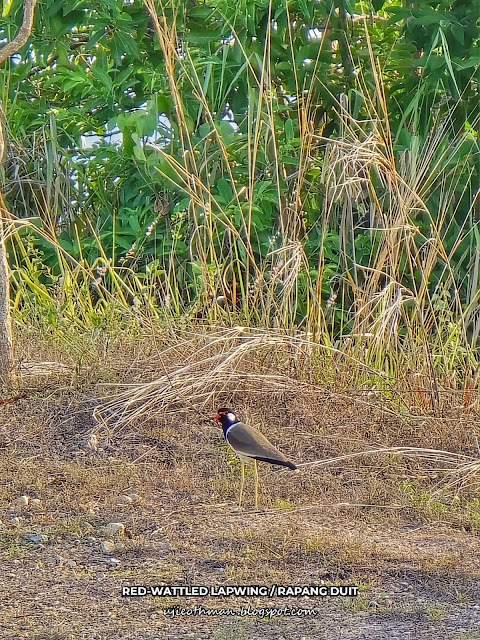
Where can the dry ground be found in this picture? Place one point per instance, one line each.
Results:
(381, 522)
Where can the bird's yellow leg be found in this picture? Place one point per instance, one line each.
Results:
(255, 468)
(242, 483)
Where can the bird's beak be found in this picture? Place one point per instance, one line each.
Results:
(217, 416)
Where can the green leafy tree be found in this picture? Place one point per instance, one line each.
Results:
(249, 152)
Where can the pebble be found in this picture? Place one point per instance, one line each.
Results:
(100, 576)
(124, 499)
(114, 528)
(107, 546)
(23, 501)
(91, 442)
(114, 562)
(37, 538)
(70, 564)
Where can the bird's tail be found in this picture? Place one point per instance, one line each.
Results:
(282, 463)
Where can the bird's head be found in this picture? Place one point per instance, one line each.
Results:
(225, 416)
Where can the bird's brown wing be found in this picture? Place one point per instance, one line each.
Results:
(251, 443)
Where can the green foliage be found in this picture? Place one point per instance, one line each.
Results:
(251, 162)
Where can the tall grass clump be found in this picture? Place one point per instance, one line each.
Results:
(268, 186)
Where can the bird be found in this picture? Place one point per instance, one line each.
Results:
(249, 444)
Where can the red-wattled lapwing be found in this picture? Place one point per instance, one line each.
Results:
(249, 444)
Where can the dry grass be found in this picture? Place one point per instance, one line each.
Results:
(274, 370)
(367, 519)
(157, 393)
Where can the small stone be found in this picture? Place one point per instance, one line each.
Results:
(404, 583)
(37, 539)
(91, 539)
(134, 496)
(23, 501)
(373, 604)
(114, 562)
(100, 576)
(91, 442)
(114, 528)
(164, 547)
(125, 499)
(70, 564)
(107, 546)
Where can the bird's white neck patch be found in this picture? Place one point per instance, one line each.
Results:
(231, 417)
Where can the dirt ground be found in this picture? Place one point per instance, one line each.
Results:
(86, 511)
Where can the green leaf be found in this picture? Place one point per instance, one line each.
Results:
(458, 33)
(200, 35)
(135, 225)
(291, 160)
(225, 191)
(6, 7)
(448, 61)
(124, 242)
(103, 76)
(289, 130)
(226, 131)
(472, 61)
(138, 151)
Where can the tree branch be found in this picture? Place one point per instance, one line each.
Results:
(23, 33)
